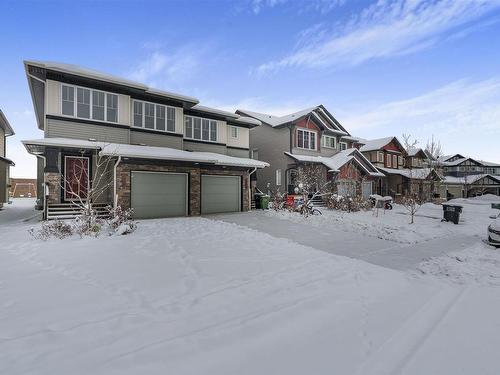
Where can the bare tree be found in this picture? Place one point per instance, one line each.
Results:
(411, 200)
(433, 151)
(85, 190)
(312, 182)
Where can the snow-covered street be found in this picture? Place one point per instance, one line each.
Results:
(254, 293)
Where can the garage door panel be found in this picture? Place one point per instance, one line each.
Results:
(156, 195)
(220, 194)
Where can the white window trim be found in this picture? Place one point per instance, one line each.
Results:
(231, 128)
(315, 139)
(380, 159)
(66, 180)
(201, 130)
(143, 115)
(388, 158)
(323, 143)
(75, 102)
(278, 177)
(342, 143)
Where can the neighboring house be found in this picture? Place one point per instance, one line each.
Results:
(405, 171)
(23, 188)
(466, 177)
(470, 185)
(310, 136)
(170, 155)
(5, 164)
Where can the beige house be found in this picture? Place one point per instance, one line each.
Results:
(170, 156)
(5, 164)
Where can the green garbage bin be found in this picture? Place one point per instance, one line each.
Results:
(451, 212)
(264, 202)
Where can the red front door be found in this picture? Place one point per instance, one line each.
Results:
(76, 177)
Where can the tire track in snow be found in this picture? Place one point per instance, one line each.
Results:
(397, 351)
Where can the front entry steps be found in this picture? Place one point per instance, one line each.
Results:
(318, 201)
(67, 211)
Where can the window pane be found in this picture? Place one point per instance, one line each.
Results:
(300, 139)
(138, 114)
(68, 100)
(83, 102)
(171, 119)
(149, 115)
(189, 127)
(305, 137)
(312, 145)
(234, 132)
(197, 128)
(213, 131)
(205, 130)
(112, 107)
(98, 105)
(160, 117)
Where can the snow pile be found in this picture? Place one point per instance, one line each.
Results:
(479, 264)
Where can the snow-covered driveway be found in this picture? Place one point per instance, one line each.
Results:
(204, 296)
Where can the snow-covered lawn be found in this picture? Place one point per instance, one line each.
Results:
(205, 296)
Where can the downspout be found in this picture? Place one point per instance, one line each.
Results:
(115, 196)
(250, 186)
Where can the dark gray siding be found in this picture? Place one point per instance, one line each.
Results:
(238, 153)
(204, 147)
(158, 140)
(271, 143)
(69, 129)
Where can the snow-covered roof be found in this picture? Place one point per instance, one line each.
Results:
(412, 151)
(275, 121)
(416, 173)
(5, 160)
(4, 124)
(215, 111)
(331, 125)
(350, 139)
(229, 116)
(147, 152)
(376, 144)
(470, 179)
(335, 162)
(488, 163)
(93, 74)
(247, 121)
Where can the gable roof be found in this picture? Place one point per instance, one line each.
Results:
(337, 161)
(379, 143)
(318, 113)
(414, 174)
(471, 179)
(4, 124)
(416, 151)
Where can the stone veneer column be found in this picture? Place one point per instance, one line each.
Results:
(54, 182)
(194, 192)
(123, 186)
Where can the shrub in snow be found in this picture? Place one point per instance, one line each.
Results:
(88, 223)
(278, 201)
(348, 204)
(52, 229)
(120, 221)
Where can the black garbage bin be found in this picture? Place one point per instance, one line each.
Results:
(258, 200)
(451, 212)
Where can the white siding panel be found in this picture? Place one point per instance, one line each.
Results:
(243, 138)
(70, 129)
(179, 120)
(53, 97)
(124, 109)
(221, 132)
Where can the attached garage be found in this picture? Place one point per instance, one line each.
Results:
(159, 194)
(220, 194)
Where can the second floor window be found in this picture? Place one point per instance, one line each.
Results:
(201, 129)
(306, 139)
(342, 146)
(89, 104)
(327, 141)
(153, 116)
(234, 132)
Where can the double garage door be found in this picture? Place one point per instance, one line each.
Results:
(157, 194)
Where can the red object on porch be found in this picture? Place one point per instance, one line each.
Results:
(290, 200)
(76, 177)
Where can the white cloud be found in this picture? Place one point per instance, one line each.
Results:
(161, 69)
(323, 6)
(386, 28)
(465, 115)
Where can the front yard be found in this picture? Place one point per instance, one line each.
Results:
(209, 296)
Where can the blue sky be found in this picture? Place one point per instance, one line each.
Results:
(381, 67)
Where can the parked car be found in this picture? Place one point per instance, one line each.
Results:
(494, 231)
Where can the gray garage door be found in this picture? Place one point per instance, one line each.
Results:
(220, 194)
(155, 194)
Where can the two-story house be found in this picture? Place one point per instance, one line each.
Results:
(404, 170)
(5, 164)
(169, 155)
(310, 136)
(465, 177)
